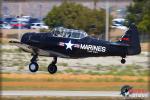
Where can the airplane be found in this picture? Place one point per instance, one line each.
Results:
(71, 43)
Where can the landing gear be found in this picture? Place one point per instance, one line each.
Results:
(123, 61)
(33, 66)
(52, 68)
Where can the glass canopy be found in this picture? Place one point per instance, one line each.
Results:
(68, 33)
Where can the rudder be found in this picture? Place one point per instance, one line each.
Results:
(131, 37)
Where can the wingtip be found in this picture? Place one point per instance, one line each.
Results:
(14, 41)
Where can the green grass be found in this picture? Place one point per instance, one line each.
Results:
(130, 70)
(62, 64)
(18, 79)
(20, 68)
(115, 79)
(11, 50)
(98, 88)
(117, 70)
(77, 71)
(43, 68)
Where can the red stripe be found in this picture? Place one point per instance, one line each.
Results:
(125, 39)
(61, 44)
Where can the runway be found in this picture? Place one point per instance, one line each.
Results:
(61, 93)
(66, 93)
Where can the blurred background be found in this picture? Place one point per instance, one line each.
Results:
(102, 19)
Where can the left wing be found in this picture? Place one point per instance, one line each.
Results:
(23, 46)
(34, 50)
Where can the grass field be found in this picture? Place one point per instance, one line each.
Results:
(84, 76)
(70, 82)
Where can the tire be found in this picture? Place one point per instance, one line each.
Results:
(123, 61)
(52, 69)
(33, 67)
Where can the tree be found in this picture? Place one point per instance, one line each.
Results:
(139, 13)
(72, 15)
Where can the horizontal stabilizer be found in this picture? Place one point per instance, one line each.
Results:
(120, 44)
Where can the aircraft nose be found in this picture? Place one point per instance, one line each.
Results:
(25, 38)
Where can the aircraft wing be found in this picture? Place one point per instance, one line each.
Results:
(24, 47)
(32, 49)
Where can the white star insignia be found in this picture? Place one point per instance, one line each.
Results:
(69, 45)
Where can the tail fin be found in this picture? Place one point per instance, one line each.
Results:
(131, 38)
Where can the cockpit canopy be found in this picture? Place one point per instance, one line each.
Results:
(68, 33)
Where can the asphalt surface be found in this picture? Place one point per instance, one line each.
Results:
(68, 93)
(61, 93)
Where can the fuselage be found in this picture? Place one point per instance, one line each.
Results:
(48, 45)
(71, 43)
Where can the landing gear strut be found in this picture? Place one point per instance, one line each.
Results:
(123, 61)
(52, 68)
(33, 66)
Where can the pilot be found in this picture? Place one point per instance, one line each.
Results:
(58, 33)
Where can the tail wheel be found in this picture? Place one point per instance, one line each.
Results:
(123, 61)
(33, 67)
(52, 69)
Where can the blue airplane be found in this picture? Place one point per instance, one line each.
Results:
(71, 43)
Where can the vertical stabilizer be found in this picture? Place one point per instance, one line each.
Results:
(131, 37)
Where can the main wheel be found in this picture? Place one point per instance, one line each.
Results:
(123, 61)
(33, 67)
(52, 69)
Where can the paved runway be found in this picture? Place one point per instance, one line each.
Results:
(65, 93)
(60, 93)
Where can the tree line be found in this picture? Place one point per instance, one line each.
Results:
(72, 15)
(139, 13)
